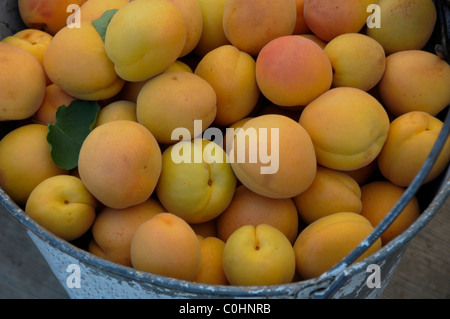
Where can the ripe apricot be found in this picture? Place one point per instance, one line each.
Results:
(409, 142)
(348, 127)
(76, 61)
(325, 242)
(213, 35)
(144, 37)
(329, 18)
(378, 198)
(293, 70)
(25, 161)
(415, 80)
(211, 267)
(251, 24)
(285, 163)
(166, 245)
(174, 100)
(119, 173)
(231, 73)
(23, 83)
(331, 192)
(405, 25)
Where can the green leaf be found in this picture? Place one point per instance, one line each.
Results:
(101, 24)
(72, 126)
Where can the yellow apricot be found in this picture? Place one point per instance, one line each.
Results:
(25, 161)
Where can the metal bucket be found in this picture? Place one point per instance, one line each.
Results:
(84, 275)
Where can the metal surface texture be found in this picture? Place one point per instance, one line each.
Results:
(85, 276)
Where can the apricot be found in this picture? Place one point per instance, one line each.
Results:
(358, 61)
(300, 23)
(409, 142)
(193, 15)
(166, 245)
(405, 25)
(325, 242)
(329, 18)
(211, 269)
(94, 9)
(251, 24)
(231, 73)
(25, 161)
(113, 229)
(196, 182)
(378, 198)
(47, 15)
(34, 41)
(273, 156)
(331, 192)
(76, 61)
(293, 70)
(144, 37)
(23, 83)
(260, 255)
(174, 100)
(249, 208)
(117, 172)
(348, 127)
(415, 80)
(62, 205)
(213, 34)
(130, 90)
(117, 110)
(53, 99)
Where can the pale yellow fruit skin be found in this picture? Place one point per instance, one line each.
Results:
(120, 163)
(25, 161)
(213, 35)
(231, 73)
(260, 255)
(348, 127)
(118, 110)
(410, 140)
(139, 53)
(63, 206)
(76, 61)
(22, 83)
(197, 192)
(405, 25)
(357, 60)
